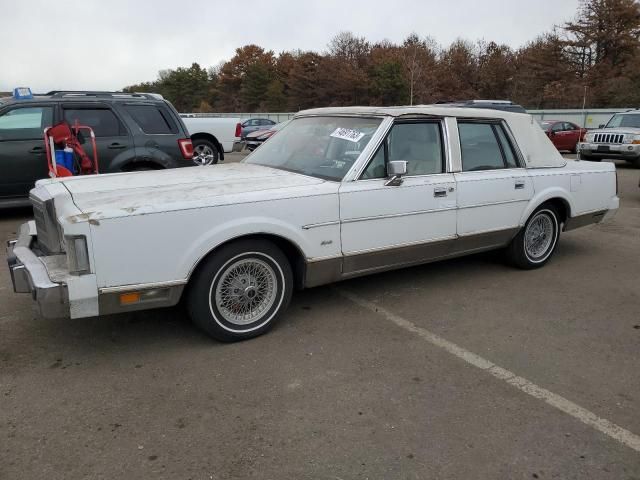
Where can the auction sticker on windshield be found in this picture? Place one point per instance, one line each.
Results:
(347, 134)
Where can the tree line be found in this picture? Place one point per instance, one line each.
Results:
(593, 59)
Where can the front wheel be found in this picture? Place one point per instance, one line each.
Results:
(534, 245)
(240, 290)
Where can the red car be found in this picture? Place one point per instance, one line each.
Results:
(564, 135)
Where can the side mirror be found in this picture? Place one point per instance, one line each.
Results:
(396, 169)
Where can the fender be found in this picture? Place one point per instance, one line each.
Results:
(123, 158)
(547, 194)
(154, 156)
(234, 229)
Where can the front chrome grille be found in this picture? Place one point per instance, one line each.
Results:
(608, 138)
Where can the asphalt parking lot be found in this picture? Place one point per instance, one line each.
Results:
(460, 369)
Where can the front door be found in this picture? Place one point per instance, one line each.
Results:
(22, 152)
(384, 226)
(493, 187)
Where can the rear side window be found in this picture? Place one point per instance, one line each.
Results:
(485, 147)
(102, 121)
(507, 149)
(26, 123)
(152, 119)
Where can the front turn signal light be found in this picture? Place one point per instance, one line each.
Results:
(129, 298)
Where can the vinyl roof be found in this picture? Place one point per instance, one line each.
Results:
(436, 110)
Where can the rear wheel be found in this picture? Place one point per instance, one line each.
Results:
(241, 290)
(205, 152)
(535, 243)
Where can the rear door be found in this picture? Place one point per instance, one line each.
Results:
(572, 134)
(113, 140)
(22, 153)
(156, 134)
(493, 187)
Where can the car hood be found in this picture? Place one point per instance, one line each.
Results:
(257, 133)
(139, 193)
(617, 131)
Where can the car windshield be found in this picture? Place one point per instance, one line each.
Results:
(546, 125)
(627, 120)
(323, 147)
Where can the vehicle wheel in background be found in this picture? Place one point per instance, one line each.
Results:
(534, 245)
(240, 290)
(205, 152)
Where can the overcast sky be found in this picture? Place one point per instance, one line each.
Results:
(110, 44)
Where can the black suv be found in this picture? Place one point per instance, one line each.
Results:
(134, 131)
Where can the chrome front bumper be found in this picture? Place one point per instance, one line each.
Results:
(604, 149)
(29, 275)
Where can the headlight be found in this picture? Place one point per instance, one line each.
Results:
(632, 139)
(77, 254)
(589, 137)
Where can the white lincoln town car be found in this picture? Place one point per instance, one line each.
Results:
(338, 193)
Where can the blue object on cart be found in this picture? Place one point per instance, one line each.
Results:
(64, 159)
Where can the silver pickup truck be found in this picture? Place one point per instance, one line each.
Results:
(619, 138)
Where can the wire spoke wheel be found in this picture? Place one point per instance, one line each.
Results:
(203, 155)
(245, 291)
(539, 236)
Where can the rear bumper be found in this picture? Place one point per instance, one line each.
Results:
(238, 146)
(29, 275)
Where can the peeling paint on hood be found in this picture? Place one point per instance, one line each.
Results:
(139, 193)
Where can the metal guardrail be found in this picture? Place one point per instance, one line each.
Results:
(276, 117)
(589, 118)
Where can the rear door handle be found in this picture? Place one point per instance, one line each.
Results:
(116, 146)
(519, 185)
(439, 192)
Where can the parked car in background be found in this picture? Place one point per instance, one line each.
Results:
(212, 137)
(564, 135)
(339, 193)
(257, 138)
(134, 131)
(255, 124)
(619, 138)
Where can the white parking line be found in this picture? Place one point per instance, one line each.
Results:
(585, 416)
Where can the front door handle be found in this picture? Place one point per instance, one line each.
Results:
(37, 150)
(439, 192)
(117, 146)
(519, 185)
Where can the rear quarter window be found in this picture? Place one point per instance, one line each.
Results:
(152, 119)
